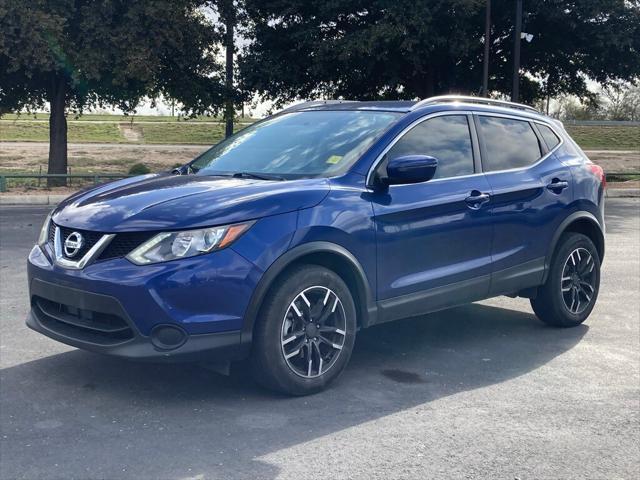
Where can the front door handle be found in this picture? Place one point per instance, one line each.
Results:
(477, 199)
(557, 185)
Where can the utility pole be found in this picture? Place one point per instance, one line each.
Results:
(515, 92)
(229, 16)
(487, 41)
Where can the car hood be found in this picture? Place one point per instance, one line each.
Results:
(159, 202)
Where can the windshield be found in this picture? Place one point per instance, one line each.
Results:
(295, 145)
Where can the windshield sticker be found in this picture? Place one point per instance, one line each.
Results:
(333, 159)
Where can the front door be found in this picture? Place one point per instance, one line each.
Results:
(434, 238)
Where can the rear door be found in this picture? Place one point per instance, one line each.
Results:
(530, 192)
(434, 238)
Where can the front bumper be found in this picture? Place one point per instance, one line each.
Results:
(185, 310)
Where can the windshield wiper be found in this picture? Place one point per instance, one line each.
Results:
(259, 176)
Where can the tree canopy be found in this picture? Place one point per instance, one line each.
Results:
(417, 48)
(81, 53)
(109, 52)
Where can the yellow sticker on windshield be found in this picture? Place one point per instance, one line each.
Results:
(333, 159)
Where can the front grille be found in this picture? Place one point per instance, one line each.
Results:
(123, 243)
(120, 246)
(90, 239)
(82, 324)
(52, 232)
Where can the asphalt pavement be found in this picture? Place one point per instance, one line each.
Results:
(480, 391)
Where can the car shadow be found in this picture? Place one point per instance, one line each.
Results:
(80, 414)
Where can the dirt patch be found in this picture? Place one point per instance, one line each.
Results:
(96, 158)
(616, 162)
(629, 184)
(132, 133)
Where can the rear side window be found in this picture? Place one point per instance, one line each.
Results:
(550, 138)
(446, 138)
(508, 143)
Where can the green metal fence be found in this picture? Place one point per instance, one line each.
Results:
(91, 177)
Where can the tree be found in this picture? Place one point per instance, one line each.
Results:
(74, 54)
(572, 42)
(622, 101)
(370, 49)
(570, 107)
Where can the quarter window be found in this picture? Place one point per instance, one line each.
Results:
(508, 143)
(550, 138)
(447, 138)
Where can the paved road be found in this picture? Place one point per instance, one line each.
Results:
(482, 391)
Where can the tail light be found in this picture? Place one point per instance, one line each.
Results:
(599, 173)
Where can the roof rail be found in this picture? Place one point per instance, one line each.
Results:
(469, 99)
(314, 103)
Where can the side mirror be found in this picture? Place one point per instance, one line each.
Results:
(410, 169)
(182, 170)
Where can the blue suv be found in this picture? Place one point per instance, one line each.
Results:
(281, 242)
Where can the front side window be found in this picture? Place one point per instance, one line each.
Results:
(317, 143)
(508, 143)
(447, 138)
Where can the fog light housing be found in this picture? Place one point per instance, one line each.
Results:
(168, 337)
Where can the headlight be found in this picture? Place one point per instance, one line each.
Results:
(44, 231)
(189, 243)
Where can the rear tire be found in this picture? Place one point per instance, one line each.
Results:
(305, 332)
(571, 290)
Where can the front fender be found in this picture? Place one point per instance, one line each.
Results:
(294, 255)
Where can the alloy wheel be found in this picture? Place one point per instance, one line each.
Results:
(313, 331)
(578, 280)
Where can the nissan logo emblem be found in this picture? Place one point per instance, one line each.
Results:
(73, 244)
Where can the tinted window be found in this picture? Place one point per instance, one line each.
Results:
(509, 143)
(299, 144)
(550, 138)
(446, 138)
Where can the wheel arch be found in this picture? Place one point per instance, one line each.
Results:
(579, 222)
(326, 254)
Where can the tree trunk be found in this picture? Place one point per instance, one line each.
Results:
(229, 20)
(57, 131)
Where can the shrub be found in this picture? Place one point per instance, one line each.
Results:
(139, 169)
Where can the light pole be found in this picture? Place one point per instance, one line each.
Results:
(487, 40)
(515, 92)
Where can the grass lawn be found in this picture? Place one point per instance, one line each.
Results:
(94, 128)
(114, 132)
(596, 137)
(77, 132)
(193, 133)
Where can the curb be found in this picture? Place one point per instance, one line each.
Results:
(55, 199)
(31, 199)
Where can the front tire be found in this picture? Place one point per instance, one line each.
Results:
(305, 333)
(571, 290)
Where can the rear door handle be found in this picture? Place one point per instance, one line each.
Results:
(557, 185)
(477, 199)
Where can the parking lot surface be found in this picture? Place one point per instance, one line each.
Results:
(480, 391)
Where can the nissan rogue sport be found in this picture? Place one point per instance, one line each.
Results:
(281, 242)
